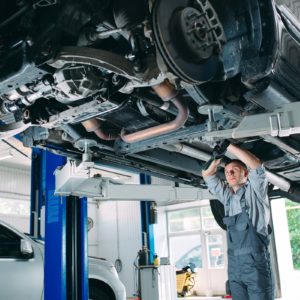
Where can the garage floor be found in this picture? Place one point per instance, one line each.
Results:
(201, 298)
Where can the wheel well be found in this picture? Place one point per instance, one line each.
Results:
(102, 286)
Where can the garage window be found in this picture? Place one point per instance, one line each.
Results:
(184, 220)
(184, 237)
(215, 250)
(195, 238)
(208, 220)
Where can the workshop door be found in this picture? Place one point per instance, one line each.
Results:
(202, 244)
(210, 279)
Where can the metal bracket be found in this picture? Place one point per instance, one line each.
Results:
(77, 181)
(282, 122)
(210, 110)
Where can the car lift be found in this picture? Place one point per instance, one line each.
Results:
(66, 253)
(75, 181)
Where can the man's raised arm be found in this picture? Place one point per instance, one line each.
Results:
(212, 169)
(249, 159)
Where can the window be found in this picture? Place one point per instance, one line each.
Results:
(195, 238)
(9, 243)
(184, 220)
(186, 250)
(293, 216)
(215, 251)
(208, 220)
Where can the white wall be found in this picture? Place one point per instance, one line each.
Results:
(19, 222)
(15, 185)
(117, 235)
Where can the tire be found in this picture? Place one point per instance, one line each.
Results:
(99, 293)
(217, 209)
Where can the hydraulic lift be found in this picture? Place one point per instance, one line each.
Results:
(65, 217)
(66, 255)
(76, 180)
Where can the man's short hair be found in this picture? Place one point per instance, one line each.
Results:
(238, 162)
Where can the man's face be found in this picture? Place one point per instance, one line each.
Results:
(235, 174)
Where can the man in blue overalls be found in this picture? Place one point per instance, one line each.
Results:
(247, 215)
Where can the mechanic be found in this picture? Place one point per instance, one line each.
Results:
(247, 215)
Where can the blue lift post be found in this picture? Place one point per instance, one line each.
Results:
(77, 259)
(147, 227)
(65, 241)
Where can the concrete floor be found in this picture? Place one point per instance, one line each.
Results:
(190, 298)
(200, 298)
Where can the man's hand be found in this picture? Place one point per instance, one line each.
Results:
(210, 168)
(220, 149)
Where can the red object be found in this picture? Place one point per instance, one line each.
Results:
(227, 297)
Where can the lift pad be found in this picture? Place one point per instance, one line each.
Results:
(77, 181)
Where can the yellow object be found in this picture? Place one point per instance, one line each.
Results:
(156, 261)
(185, 281)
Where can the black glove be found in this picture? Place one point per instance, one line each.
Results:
(207, 164)
(220, 149)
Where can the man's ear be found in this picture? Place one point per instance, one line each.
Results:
(246, 173)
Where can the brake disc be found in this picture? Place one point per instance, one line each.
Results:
(189, 37)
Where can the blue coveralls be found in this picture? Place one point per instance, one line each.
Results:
(249, 268)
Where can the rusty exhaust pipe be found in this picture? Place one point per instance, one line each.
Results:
(94, 125)
(166, 92)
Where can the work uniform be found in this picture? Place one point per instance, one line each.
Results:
(247, 215)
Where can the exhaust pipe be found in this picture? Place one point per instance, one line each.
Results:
(94, 125)
(188, 151)
(166, 92)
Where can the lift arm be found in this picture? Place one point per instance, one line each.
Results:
(282, 122)
(76, 181)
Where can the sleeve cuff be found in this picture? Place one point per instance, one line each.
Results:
(258, 171)
(211, 179)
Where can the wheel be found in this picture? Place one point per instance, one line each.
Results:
(217, 209)
(99, 293)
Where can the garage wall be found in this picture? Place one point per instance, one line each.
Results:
(20, 222)
(15, 189)
(15, 182)
(117, 235)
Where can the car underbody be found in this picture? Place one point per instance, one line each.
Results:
(154, 85)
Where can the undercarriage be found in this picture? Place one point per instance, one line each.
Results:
(153, 86)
